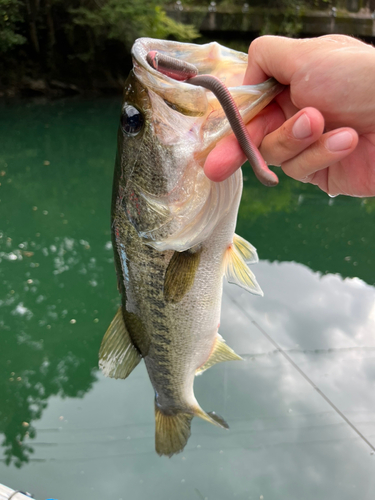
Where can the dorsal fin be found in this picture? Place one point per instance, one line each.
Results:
(221, 352)
(237, 271)
(246, 249)
(118, 356)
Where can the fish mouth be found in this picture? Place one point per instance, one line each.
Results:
(213, 59)
(188, 121)
(226, 64)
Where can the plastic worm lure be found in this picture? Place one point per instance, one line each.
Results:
(183, 71)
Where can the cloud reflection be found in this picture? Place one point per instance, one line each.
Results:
(284, 440)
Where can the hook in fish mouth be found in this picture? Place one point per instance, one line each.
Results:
(188, 73)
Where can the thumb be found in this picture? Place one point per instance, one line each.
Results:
(268, 56)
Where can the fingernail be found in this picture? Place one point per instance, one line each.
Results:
(302, 127)
(339, 141)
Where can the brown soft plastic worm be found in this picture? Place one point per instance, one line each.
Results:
(183, 71)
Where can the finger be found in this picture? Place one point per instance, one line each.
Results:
(228, 156)
(353, 176)
(267, 57)
(295, 135)
(285, 102)
(330, 148)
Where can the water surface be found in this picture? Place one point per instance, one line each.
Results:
(67, 432)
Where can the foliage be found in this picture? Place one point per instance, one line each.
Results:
(124, 21)
(58, 35)
(10, 16)
(287, 22)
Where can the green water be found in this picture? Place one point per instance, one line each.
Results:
(68, 433)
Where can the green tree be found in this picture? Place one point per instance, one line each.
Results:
(126, 20)
(10, 17)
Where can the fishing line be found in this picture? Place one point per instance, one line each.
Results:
(313, 385)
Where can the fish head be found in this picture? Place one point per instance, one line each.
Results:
(168, 128)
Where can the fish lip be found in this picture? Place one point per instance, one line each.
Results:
(205, 57)
(191, 100)
(212, 58)
(179, 50)
(142, 46)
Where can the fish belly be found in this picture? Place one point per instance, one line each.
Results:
(191, 326)
(176, 337)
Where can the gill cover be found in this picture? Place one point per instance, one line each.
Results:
(175, 206)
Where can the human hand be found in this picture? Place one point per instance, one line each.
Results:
(321, 129)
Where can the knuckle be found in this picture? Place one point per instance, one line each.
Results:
(274, 149)
(284, 140)
(253, 48)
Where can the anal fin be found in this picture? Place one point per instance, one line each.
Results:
(221, 352)
(211, 417)
(118, 356)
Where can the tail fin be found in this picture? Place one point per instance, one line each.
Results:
(173, 431)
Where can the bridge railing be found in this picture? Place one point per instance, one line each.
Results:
(310, 17)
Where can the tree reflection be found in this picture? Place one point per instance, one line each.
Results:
(38, 361)
(298, 222)
(55, 264)
(57, 281)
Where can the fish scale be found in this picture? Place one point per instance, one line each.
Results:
(173, 234)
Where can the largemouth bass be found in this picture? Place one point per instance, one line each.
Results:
(173, 230)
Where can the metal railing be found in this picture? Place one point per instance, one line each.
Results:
(9, 494)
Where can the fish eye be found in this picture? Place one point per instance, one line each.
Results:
(131, 120)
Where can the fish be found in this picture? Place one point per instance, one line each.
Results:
(173, 230)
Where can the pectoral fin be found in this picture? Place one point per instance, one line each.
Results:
(180, 274)
(221, 352)
(118, 356)
(237, 271)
